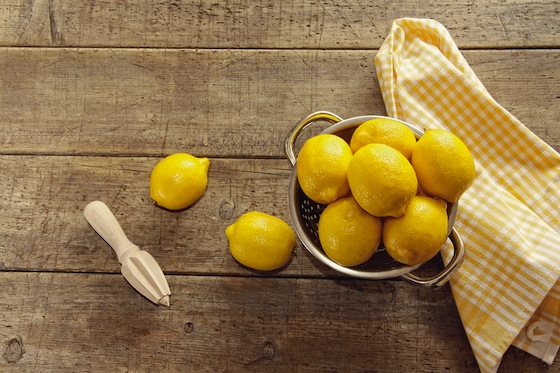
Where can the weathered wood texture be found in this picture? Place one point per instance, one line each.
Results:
(346, 24)
(94, 93)
(222, 103)
(218, 324)
(44, 228)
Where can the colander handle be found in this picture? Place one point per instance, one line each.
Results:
(441, 278)
(316, 116)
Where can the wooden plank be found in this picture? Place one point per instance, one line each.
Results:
(350, 24)
(43, 228)
(53, 322)
(221, 103)
(93, 322)
(216, 103)
(25, 23)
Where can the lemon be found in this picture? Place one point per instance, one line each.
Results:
(443, 164)
(261, 241)
(382, 180)
(419, 234)
(384, 131)
(349, 235)
(178, 180)
(322, 168)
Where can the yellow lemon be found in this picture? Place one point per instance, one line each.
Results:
(384, 131)
(382, 180)
(322, 167)
(349, 235)
(178, 180)
(443, 164)
(419, 234)
(261, 241)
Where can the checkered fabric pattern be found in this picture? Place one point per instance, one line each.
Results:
(507, 290)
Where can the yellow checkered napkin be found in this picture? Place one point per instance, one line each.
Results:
(507, 291)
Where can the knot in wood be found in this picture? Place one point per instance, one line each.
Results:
(14, 350)
(268, 351)
(226, 210)
(188, 327)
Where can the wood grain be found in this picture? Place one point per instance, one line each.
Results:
(94, 93)
(44, 228)
(228, 324)
(221, 103)
(324, 24)
(233, 324)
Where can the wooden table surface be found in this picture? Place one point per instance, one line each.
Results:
(94, 93)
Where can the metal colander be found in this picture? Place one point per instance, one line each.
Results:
(305, 214)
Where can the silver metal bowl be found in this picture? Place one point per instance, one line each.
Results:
(305, 214)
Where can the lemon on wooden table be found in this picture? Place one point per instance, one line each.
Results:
(348, 234)
(443, 164)
(322, 167)
(384, 131)
(382, 180)
(261, 241)
(419, 234)
(178, 180)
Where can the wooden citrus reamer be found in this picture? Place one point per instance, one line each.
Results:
(138, 267)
